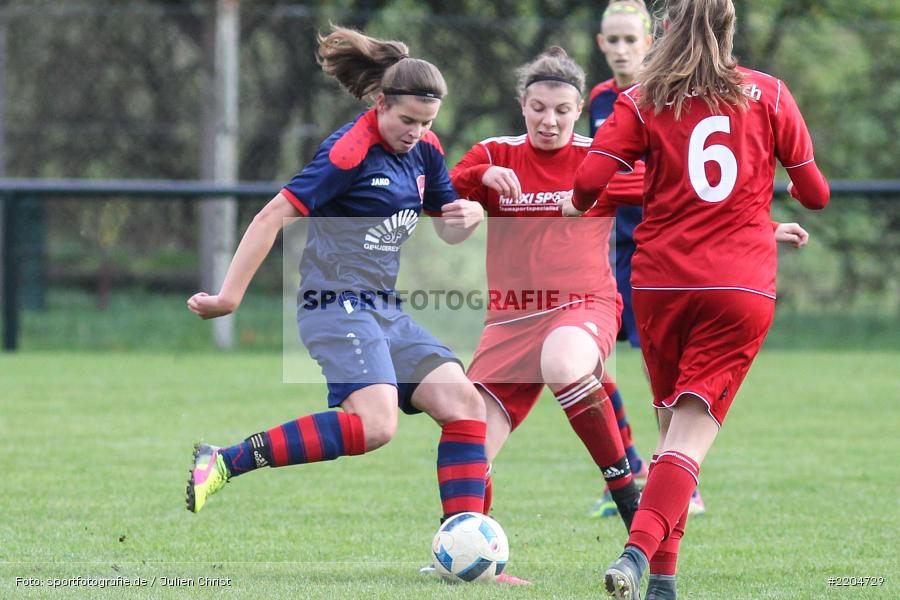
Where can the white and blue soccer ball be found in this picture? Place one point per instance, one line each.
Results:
(470, 546)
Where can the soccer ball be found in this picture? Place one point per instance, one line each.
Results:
(470, 547)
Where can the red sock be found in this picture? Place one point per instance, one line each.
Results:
(591, 415)
(665, 561)
(488, 491)
(669, 487)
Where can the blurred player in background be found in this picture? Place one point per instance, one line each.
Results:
(530, 341)
(705, 264)
(363, 193)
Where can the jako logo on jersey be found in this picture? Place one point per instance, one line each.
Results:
(392, 232)
(598, 123)
(420, 182)
(380, 182)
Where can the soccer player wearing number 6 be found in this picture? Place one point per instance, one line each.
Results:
(704, 270)
(363, 193)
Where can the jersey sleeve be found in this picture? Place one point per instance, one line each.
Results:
(623, 136)
(617, 146)
(468, 173)
(794, 149)
(793, 144)
(318, 182)
(439, 189)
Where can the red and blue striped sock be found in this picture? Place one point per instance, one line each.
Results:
(462, 466)
(672, 480)
(634, 459)
(313, 438)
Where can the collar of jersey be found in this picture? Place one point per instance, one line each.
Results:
(547, 154)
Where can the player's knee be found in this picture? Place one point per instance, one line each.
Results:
(559, 372)
(567, 355)
(379, 430)
(471, 404)
(457, 402)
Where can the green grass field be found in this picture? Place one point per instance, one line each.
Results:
(801, 486)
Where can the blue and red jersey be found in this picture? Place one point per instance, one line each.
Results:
(367, 200)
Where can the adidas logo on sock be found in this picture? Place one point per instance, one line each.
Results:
(613, 473)
(260, 459)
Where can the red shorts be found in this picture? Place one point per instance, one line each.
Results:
(700, 342)
(507, 363)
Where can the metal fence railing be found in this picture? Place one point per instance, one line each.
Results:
(17, 194)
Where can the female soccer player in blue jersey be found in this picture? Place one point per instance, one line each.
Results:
(381, 169)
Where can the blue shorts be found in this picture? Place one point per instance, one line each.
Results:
(365, 347)
(627, 219)
(628, 330)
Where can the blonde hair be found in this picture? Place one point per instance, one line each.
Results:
(693, 58)
(552, 66)
(630, 7)
(364, 66)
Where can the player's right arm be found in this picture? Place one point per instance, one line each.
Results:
(311, 188)
(619, 142)
(253, 249)
(474, 173)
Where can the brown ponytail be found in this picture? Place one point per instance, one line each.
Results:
(365, 66)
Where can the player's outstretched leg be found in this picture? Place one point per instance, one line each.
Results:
(313, 438)
(208, 475)
(593, 420)
(623, 577)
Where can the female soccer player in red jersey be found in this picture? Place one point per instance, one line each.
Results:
(381, 170)
(550, 322)
(625, 38)
(704, 270)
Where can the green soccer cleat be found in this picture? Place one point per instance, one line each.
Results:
(604, 507)
(207, 477)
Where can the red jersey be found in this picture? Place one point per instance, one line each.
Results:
(529, 266)
(624, 185)
(708, 185)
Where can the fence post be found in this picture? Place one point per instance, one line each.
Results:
(10, 276)
(219, 216)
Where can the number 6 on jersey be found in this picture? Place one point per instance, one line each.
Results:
(698, 156)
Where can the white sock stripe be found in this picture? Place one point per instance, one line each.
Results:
(682, 457)
(581, 396)
(685, 463)
(591, 382)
